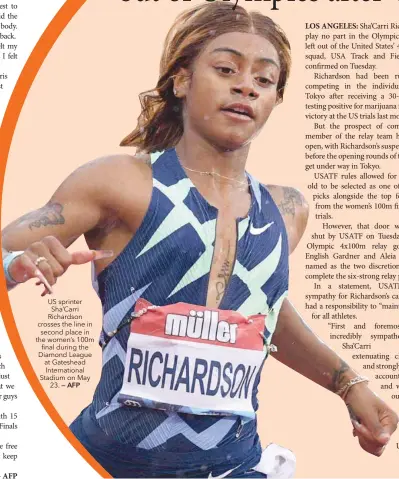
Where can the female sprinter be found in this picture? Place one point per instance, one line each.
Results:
(195, 235)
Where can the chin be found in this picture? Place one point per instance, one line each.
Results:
(234, 141)
(228, 139)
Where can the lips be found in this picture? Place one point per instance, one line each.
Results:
(240, 109)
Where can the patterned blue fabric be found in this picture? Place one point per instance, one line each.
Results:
(168, 261)
(122, 460)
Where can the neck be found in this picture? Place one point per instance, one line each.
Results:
(195, 153)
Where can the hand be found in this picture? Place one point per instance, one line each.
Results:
(48, 259)
(373, 421)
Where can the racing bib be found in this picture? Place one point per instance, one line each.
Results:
(193, 359)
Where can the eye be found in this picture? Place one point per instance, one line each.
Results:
(225, 70)
(265, 81)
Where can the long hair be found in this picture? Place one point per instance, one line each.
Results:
(160, 124)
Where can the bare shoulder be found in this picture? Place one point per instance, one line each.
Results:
(97, 179)
(115, 165)
(290, 201)
(294, 210)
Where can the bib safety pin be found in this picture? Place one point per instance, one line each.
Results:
(132, 316)
(271, 348)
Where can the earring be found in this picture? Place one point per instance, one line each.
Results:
(175, 92)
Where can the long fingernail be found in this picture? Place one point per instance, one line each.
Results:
(42, 278)
(101, 254)
(380, 451)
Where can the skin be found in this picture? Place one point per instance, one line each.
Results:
(106, 201)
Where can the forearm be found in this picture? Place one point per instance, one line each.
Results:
(301, 350)
(43, 236)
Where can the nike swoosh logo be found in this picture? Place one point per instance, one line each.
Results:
(222, 475)
(259, 231)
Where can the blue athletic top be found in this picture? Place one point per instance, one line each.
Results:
(168, 261)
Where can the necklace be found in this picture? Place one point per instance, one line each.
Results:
(213, 173)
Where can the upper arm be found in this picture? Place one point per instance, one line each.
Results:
(76, 207)
(294, 210)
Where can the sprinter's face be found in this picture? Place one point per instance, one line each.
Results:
(232, 89)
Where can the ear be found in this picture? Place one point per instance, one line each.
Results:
(280, 94)
(279, 98)
(181, 83)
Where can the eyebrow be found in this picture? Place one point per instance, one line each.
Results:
(239, 54)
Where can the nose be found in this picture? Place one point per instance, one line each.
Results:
(244, 86)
